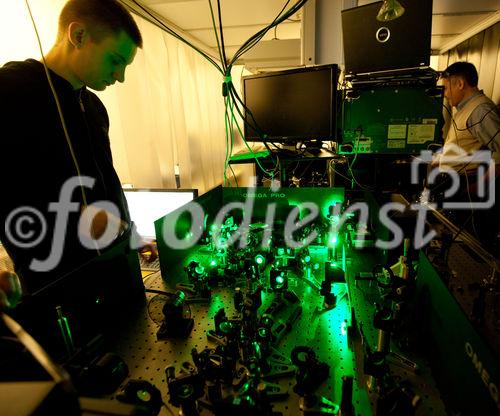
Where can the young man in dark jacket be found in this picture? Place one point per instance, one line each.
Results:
(60, 192)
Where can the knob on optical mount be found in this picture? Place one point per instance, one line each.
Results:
(175, 324)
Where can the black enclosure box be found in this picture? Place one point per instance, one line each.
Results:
(393, 119)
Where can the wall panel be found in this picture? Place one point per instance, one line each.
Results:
(483, 50)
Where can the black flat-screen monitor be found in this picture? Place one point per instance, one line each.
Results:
(291, 106)
(372, 46)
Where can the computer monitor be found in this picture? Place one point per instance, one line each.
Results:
(147, 205)
(291, 106)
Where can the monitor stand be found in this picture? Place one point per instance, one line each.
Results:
(313, 147)
(289, 147)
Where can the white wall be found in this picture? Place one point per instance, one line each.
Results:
(329, 41)
(483, 50)
(19, 41)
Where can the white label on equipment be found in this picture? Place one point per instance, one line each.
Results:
(429, 121)
(396, 131)
(396, 144)
(420, 133)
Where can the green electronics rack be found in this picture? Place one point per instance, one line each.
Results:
(401, 119)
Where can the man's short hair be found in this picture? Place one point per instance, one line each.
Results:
(102, 17)
(466, 70)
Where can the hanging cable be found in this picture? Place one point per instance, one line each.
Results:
(226, 159)
(252, 41)
(61, 117)
(247, 145)
(225, 69)
(59, 108)
(219, 48)
(173, 33)
(265, 171)
(231, 130)
(224, 59)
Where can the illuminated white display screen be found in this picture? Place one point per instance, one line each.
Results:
(148, 205)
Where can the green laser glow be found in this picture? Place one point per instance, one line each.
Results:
(259, 259)
(343, 328)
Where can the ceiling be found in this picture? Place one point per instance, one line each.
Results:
(242, 18)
